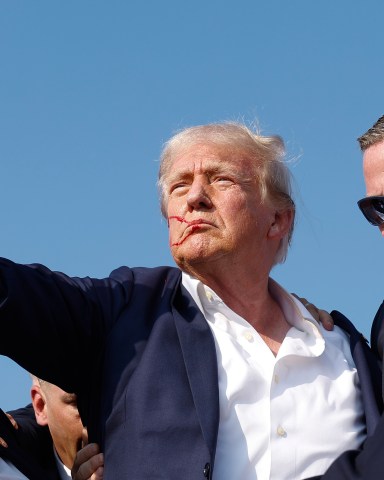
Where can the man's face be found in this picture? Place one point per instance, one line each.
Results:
(373, 166)
(214, 208)
(58, 409)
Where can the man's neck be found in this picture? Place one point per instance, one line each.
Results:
(63, 469)
(249, 297)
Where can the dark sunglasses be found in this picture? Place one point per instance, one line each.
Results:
(373, 209)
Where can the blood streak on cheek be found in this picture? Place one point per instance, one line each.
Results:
(193, 229)
(179, 219)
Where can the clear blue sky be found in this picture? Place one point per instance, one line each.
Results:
(90, 90)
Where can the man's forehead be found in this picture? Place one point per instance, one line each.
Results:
(210, 155)
(373, 160)
(374, 169)
(375, 153)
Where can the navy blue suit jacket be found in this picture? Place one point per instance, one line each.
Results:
(29, 447)
(140, 356)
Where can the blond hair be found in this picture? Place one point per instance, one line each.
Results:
(268, 153)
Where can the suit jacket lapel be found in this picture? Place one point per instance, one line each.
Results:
(200, 359)
(368, 369)
(377, 339)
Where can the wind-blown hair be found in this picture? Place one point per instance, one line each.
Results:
(374, 135)
(267, 152)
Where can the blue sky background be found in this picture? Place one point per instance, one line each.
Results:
(90, 90)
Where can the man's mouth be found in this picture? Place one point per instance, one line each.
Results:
(198, 221)
(192, 226)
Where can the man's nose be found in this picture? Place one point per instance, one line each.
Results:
(198, 196)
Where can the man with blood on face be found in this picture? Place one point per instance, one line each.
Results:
(209, 370)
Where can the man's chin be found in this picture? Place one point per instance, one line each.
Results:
(199, 259)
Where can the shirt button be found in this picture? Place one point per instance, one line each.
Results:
(276, 378)
(281, 432)
(209, 295)
(248, 336)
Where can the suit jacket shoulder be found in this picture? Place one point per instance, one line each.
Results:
(367, 463)
(368, 368)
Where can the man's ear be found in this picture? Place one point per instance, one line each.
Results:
(281, 223)
(39, 406)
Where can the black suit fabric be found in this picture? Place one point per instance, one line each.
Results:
(139, 354)
(29, 448)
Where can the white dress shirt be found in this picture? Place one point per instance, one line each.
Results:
(9, 472)
(285, 417)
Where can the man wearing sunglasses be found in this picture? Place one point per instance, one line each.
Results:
(372, 146)
(372, 206)
(366, 464)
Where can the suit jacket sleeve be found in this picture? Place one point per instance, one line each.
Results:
(53, 325)
(29, 448)
(32, 437)
(367, 463)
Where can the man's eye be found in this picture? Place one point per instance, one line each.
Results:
(223, 180)
(177, 186)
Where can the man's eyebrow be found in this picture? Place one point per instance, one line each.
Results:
(209, 168)
(231, 169)
(177, 175)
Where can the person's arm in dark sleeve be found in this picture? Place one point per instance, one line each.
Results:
(31, 436)
(53, 325)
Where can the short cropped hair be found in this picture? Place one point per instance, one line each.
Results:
(374, 135)
(268, 153)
